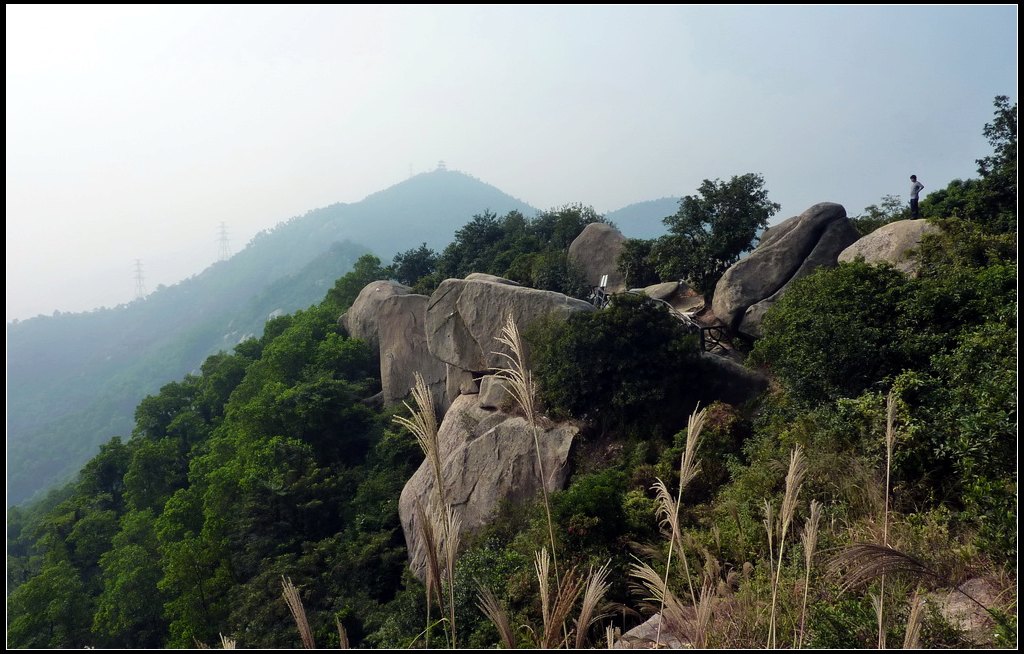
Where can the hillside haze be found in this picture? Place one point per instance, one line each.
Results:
(74, 379)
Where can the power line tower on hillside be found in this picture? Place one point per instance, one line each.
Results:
(223, 251)
(140, 281)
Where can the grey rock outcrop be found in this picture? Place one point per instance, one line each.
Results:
(403, 350)
(484, 277)
(678, 295)
(893, 243)
(487, 458)
(361, 319)
(493, 392)
(788, 251)
(646, 634)
(465, 317)
(596, 251)
(962, 613)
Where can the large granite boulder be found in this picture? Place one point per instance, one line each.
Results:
(465, 317)
(486, 277)
(596, 251)
(487, 458)
(893, 244)
(403, 350)
(650, 633)
(362, 318)
(790, 250)
(678, 295)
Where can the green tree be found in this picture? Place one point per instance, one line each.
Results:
(712, 229)
(50, 610)
(626, 365)
(409, 266)
(999, 170)
(834, 333)
(129, 611)
(636, 265)
(890, 209)
(990, 201)
(366, 269)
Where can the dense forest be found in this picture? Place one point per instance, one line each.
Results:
(877, 474)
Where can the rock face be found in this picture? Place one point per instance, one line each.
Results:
(493, 393)
(361, 319)
(680, 296)
(487, 457)
(967, 616)
(464, 318)
(892, 243)
(596, 251)
(403, 350)
(484, 277)
(788, 251)
(645, 635)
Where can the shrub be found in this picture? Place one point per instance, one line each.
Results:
(629, 364)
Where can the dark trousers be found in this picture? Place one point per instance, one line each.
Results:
(914, 211)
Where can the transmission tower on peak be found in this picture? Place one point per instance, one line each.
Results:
(442, 166)
(223, 251)
(140, 281)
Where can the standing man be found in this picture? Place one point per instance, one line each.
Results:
(915, 188)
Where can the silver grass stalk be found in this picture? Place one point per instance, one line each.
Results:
(810, 541)
(794, 480)
(519, 383)
(890, 441)
(423, 425)
(911, 639)
(342, 634)
(498, 616)
(655, 590)
(593, 595)
(291, 597)
(668, 510)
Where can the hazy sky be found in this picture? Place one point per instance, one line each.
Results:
(133, 132)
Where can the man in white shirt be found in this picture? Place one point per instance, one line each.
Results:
(915, 189)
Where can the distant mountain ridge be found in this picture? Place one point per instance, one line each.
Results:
(643, 219)
(74, 379)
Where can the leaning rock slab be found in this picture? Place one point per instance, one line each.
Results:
(893, 244)
(786, 252)
(596, 251)
(465, 317)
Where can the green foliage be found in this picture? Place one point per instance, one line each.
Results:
(890, 209)
(619, 365)
(712, 229)
(366, 269)
(266, 464)
(410, 266)
(50, 610)
(834, 333)
(636, 265)
(530, 251)
(129, 611)
(590, 510)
